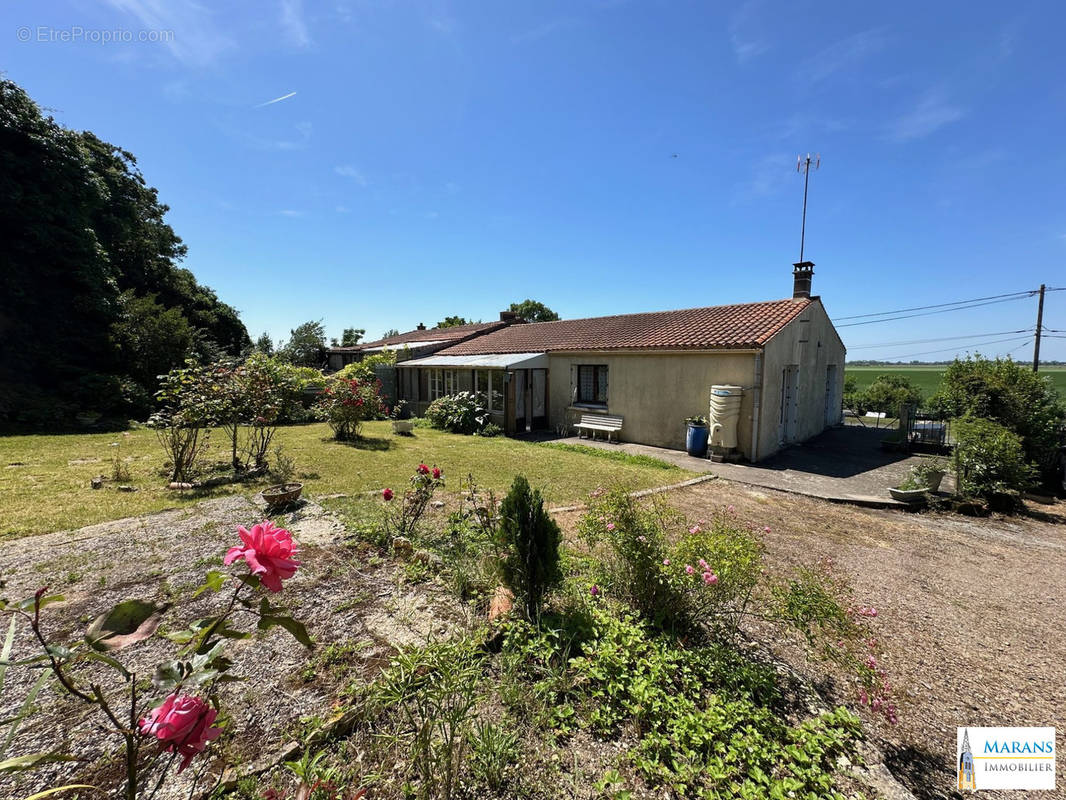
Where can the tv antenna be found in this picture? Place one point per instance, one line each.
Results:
(804, 165)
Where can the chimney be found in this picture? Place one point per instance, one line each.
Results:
(508, 316)
(422, 327)
(802, 274)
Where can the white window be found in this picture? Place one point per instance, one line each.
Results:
(442, 382)
(490, 384)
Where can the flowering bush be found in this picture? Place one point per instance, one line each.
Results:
(182, 723)
(346, 403)
(708, 577)
(401, 518)
(464, 412)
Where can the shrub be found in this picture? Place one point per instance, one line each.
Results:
(346, 403)
(854, 398)
(1012, 395)
(529, 543)
(464, 412)
(400, 517)
(432, 690)
(989, 460)
(888, 393)
(491, 430)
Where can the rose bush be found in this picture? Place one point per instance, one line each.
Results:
(183, 723)
(346, 403)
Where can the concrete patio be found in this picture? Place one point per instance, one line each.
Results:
(843, 465)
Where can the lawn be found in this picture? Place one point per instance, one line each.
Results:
(928, 378)
(44, 480)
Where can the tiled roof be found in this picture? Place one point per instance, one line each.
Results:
(427, 335)
(741, 326)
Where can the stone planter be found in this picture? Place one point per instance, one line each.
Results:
(908, 495)
(934, 480)
(282, 494)
(402, 426)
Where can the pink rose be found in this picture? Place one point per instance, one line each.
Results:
(710, 578)
(610, 526)
(268, 551)
(436, 473)
(666, 562)
(703, 564)
(766, 529)
(386, 494)
(689, 569)
(694, 529)
(183, 725)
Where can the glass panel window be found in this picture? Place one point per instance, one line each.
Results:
(490, 384)
(442, 382)
(592, 384)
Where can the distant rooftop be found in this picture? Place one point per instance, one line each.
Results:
(425, 336)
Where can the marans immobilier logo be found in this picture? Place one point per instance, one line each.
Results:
(1005, 758)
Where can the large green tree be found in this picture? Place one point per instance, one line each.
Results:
(306, 346)
(452, 322)
(87, 257)
(534, 311)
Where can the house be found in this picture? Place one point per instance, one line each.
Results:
(653, 370)
(420, 342)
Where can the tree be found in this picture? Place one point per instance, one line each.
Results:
(1010, 394)
(889, 392)
(350, 337)
(529, 539)
(86, 251)
(390, 333)
(452, 322)
(306, 346)
(854, 399)
(533, 311)
(150, 340)
(264, 344)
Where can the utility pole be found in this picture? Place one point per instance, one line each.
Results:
(804, 165)
(1039, 325)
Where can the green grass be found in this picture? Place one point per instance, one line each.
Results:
(620, 456)
(44, 480)
(928, 378)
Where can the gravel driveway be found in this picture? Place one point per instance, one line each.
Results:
(971, 614)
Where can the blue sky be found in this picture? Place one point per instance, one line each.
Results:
(445, 158)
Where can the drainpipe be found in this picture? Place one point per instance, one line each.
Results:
(756, 408)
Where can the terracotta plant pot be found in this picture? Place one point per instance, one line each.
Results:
(282, 494)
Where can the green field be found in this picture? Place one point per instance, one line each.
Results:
(928, 378)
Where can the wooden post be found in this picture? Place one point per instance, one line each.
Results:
(1039, 325)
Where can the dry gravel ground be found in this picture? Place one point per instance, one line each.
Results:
(160, 557)
(971, 614)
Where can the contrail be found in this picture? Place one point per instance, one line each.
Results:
(275, 100)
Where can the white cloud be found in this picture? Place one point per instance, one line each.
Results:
(931, 114)
(841, 55)
(293, 24)
(193, 38)
(290, 212)
(769, 175)
(348, 171)
(746, 43)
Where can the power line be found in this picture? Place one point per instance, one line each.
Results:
(1024, 340)
(940, 339)
(1030, 293)
(941, 311)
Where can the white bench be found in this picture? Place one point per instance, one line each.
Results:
(598, 422)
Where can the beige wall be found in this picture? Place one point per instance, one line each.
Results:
(811, 343)
(653, 393)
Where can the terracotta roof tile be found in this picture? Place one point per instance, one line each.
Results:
(741, 326)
